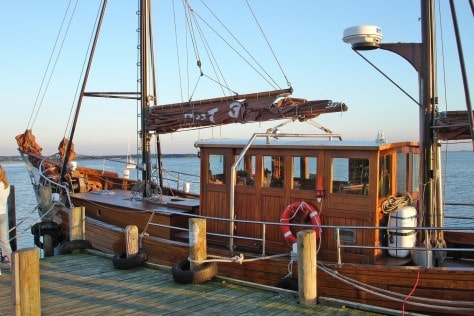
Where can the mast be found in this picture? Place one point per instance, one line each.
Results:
(144, 94)
(428, 143)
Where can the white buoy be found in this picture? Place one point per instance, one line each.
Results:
(401, 232)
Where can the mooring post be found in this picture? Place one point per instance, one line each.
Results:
(77, 223)
(46, 203)
(11, 206)
(26, 282)
(197, 241)
(307, 274)
(131, 240)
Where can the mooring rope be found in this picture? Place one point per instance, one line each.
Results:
(235, 259)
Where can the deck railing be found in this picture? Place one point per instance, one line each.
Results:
(426, 250)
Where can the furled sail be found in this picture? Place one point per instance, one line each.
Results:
(454, 125)
(245, 108)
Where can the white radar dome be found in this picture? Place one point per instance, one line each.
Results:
(363, 37)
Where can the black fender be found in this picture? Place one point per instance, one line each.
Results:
(288, 283)
(204, 272)
(121, 262)
(77, 244)
(46, 228)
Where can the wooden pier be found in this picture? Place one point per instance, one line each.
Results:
(88, 284)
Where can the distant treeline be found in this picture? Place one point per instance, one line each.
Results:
(108, 157)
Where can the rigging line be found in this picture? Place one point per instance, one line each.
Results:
(387, 77)
(177, 52)
(238, 53)
(243, 47)
(84, 65)
(268, 43)
(189, 28)
(44, 87)
(189, 25)
(211, 57)
(226, 87)
(443, 59)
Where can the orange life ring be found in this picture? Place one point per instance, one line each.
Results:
(289, 213)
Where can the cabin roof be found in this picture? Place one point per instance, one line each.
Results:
(298, 143)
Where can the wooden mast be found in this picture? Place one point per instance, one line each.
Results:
(144, 94)
(428, 144)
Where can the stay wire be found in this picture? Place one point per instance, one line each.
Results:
(274, 84)
(268, 80)
(212, 59)
(44, 86)
(388, 78)
(81, 76)
(177, 52)
(269, 46)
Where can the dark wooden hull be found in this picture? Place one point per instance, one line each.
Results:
(445, 290)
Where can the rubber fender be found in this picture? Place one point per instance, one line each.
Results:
(201, 273)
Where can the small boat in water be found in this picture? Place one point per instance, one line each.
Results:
(376, 207)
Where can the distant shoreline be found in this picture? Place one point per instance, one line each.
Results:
(107, 157)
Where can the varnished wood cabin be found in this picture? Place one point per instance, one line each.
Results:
(353, 179)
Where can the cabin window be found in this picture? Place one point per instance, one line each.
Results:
(304, 173)
(216, 169)
(385, 176)
(402, 172)
(273, 171)
(350, 176)
(246, 171)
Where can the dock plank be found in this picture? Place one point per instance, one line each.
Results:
(88, 284)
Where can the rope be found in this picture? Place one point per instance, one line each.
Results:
(29, 215)
(411, 292)
(394, 203)
(235, 259)
(390, 295)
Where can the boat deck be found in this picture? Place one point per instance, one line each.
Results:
(88, 284)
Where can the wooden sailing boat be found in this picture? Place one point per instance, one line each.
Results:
(254, 192)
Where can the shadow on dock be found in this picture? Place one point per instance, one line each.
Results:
(88, 284)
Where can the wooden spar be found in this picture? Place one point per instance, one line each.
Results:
(428, 143)
(79, 102)
(144, 100)
(255, 95)
(247, 108)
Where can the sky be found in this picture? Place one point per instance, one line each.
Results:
(304, 35)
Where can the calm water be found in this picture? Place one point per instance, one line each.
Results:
(458, 187)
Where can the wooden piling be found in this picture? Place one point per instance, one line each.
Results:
(77, 223)
(46, 202)
(131, 240)
(307, 274)
(26, 282)
(197, 240)
(11, 206)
